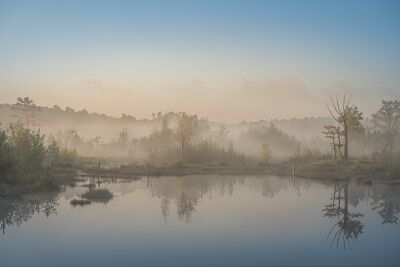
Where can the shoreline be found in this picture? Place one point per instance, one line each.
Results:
(364, 172)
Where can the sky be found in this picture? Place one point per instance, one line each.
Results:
(224, 60)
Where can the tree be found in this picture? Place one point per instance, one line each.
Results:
(124, 137)
(53, 152)
(72, 139)
(185, 207)
(165, 124)
(347, 117)
(153, 147)
(25, 110)
(27, 147)
(266, 152)
(187, 127)
(279, 142)
(333, 133)
(6, 162)
(387, 121)
(222, 133)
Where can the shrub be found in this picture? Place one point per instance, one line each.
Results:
(98, 195)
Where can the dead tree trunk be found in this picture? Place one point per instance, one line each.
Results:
(346, 142)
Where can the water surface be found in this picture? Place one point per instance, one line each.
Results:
(206, 220)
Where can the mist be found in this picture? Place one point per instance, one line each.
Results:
(133, 140)
(199, 133)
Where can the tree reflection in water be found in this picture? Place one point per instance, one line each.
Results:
(384, 198)
(185, 207)
(185, 193)
(165, 208)
(19, 210)
(387, 211)
(348, 225)
(386, 201)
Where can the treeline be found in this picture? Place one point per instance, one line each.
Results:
(182, 138)
(54, 119)
(56, 113)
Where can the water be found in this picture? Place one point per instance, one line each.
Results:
(206, 220)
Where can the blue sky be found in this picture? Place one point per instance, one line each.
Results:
(152, 50)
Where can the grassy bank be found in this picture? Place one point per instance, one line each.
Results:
(53, 180)
(323, 169)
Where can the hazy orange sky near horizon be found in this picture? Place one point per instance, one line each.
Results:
(224, 60)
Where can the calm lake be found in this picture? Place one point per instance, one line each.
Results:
(206, 220)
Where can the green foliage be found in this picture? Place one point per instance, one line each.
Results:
(6, 163)
(24, 155)
(27, 148)
(354, 119)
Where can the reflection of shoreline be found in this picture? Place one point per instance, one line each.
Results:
(185, 193)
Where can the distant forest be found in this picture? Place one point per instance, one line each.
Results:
(89, 124)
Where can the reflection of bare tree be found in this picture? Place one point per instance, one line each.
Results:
(185, 207)
(348, 226)
(18, 211)
(165, 208)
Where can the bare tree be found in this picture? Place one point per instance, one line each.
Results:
(347, 117)
(185, 207)
(187, 127)
(333, 134)
(25, 110)
(153, 147)
(266, 152)
(165, 202)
